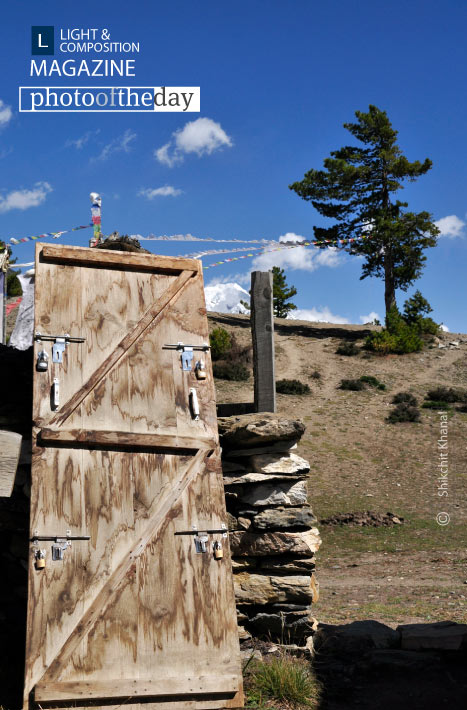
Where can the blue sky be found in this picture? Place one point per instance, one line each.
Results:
(277, 81)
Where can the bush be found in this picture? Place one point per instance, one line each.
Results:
(233, 371)
(445, 394)
(316, 375)
(373, 382)
(13, 285)
(404, 412)
(398, 336)
(347, 349)
(292, 387)
(434, 404)
(404, 397)
(428, 326)
(285, 679)
(353, 385)
(220, 342)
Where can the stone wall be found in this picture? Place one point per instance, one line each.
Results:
(273, 540)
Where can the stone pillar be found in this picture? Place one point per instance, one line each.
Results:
(273, 540)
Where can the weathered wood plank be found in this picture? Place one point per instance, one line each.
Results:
(126, 439)
(262, 330)
(118, 259)
(10, 448)
(103, 598)
(151, 314)
(117, 688)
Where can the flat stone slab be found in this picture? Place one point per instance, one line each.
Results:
(279, 463)
(240, 478)
(440, 636)
(356, 638)
(284, 518)
(254, 589)
(249, 544)
(249, 430)
(271, 448)
(285, 564)
(291, 493)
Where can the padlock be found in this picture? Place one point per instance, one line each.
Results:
(42, 361)
(40, 559)
(218, 551)
(200, 370)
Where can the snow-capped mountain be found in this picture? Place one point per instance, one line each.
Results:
(225, 298)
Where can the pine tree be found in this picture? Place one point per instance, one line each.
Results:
(356, 189)
(281, 293)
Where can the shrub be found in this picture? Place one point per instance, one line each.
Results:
(292, 387)
(316, 375)
(404, 412)
(372, 381)
(233, 371)
(428, 326)
(445, 394)
(434, 404)
(398, 336)
(220, 342)
(347, 349)
(13, 284)
(406, 397)
(285, 679)
(353, 385)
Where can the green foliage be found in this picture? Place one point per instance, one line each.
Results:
(404, 412)
(415, 308)
(220, 342)
(356, 189)
(434, 404)
(398, 336)
(405, 397)
(292, 387)
(13, 284)
(283, 678)
(347, 349)
(428, 326)
(353, 385)
(234, 371)
(282, 293)
(373, 382)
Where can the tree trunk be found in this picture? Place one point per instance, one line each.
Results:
(389, 289)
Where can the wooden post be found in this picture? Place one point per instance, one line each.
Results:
(262, 331)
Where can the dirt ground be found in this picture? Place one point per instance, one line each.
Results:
(406, 573)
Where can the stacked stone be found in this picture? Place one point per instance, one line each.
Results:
(273, 540)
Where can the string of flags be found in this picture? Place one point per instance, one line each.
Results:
(191, 238)
(54, 235)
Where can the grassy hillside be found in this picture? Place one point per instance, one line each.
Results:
(415, 571)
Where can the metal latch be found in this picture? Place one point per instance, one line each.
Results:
(186, 352)
(201, 537)
(60, 543)
(60, 343)
(201, 540)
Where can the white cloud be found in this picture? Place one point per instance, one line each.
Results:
(444, 328)
(23, 199)
(166, 191)
(80, 142)
(202, 136)
(291, 238)
(305, 259)
(6, 114)
(370, 317)
(121, 144)
(450, 226)
(241, 278)
(318, 315)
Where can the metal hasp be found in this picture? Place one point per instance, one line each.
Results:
(186, 352)
(60, 343)
(201, 537)
(61, 542)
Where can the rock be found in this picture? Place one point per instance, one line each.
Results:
(284, 518)
(286, 626)
(245, 478)
(256, 430)
(243, 563)
(440, 636)
(354, 639)
(397, 660)
(270, 448)
(229, 467)
(264, 589)
(300, 544)
(286, 564)
(232, 522)
(293, 493)
(244, 523)
(314, 584)
(243, 634)
(277, 463)
(250, 654)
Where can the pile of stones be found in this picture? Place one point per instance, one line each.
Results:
(273, 538)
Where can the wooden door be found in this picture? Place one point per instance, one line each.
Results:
(133, 614)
